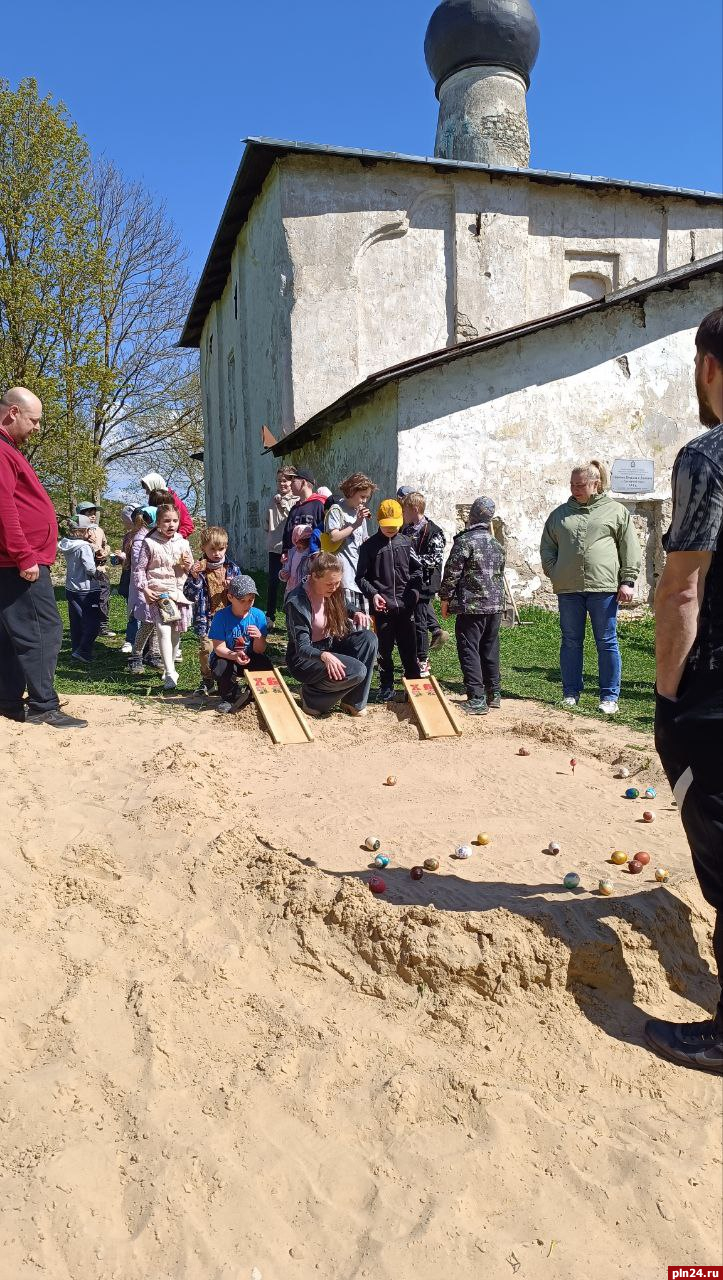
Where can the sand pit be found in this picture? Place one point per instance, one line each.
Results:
(220, 1053)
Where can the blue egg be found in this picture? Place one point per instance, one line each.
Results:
(381, 861)
(651, 793)
(572, 880)
(632, 793)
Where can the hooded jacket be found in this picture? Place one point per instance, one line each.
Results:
(312, 512)
(81, 574)
(429, 543)
(473, 579)
(590, 547)
(390, 567)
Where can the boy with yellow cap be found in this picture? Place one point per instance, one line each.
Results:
(389, 574)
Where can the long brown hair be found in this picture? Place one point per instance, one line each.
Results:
(335, 614)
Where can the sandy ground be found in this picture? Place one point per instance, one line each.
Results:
(222, 1058)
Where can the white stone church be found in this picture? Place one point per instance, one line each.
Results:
(461, 322)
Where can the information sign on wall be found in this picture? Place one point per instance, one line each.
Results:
(633, 475)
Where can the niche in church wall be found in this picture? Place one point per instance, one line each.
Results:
(404, 285)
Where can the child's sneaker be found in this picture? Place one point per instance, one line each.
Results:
(170, 683)
(204, 690)
(387, 694)
(476, 707)
(135, 666)
(126, 647)
(494, 700)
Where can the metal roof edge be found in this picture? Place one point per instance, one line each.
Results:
(340, 408)
(260, 154)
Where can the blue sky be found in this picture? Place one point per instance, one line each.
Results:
(622, 88)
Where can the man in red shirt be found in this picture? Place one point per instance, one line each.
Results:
(31, 631)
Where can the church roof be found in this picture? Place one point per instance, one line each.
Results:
(260, 154)
(679, 278)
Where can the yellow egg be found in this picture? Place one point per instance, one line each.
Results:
(661, 875)
(619, 858)
(483, 838)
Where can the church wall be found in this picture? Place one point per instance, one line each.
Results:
(365, 442)
(511, 422)
(391, 260)
(246, 377)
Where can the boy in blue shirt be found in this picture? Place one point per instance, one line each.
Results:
(238, 635)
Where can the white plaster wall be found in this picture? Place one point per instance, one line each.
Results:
(252, 322)
(392, 260)
(512, 422)
(474, 427)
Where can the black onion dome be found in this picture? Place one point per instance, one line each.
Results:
(472, 33)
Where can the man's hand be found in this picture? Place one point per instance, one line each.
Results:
(334, 668)
(625, 594)
(31, 574)
(361, 620)
(241, 658)
(379, 604)
(444, 608)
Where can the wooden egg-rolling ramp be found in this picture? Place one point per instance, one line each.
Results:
(283, 719)
(434, 714)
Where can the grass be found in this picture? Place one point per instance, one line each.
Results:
(530, 663)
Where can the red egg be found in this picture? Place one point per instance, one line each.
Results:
(648, 816)
(416, 873)
(643, 858)
(635, 867)
(377, 885)
(523, 751)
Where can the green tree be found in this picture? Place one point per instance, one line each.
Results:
(50, 278)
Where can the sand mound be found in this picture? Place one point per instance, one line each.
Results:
(221, 1053)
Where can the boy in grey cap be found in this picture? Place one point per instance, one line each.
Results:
(238, 634)
(473, 590)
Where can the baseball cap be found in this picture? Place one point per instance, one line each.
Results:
(304, 475)
(389, 515)
(404, 491)
(241, 586)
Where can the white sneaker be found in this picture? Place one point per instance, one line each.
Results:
(569, 702)
(126, 647)
(609, 707)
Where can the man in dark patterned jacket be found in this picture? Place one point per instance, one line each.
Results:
(429, 543)
(689, 676)
(473, 589)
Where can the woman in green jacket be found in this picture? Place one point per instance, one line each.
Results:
(591, 553)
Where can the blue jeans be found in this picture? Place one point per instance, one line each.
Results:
(603, 610)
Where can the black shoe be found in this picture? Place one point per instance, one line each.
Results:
(242, 700)
(494, 701)
(692, 1044)
(156, 664)
(57, 720)
(387, 695)
(135, 667)
(476, 707)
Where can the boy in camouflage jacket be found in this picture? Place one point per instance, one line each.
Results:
(473, 590)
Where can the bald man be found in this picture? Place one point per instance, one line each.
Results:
(30, 627)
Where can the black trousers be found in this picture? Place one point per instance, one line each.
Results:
(425, 621)
(85, 619)
(689, 740)
(396, 627)
(273, 591)
(357, 652)
(478, 647)
(31, 634)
